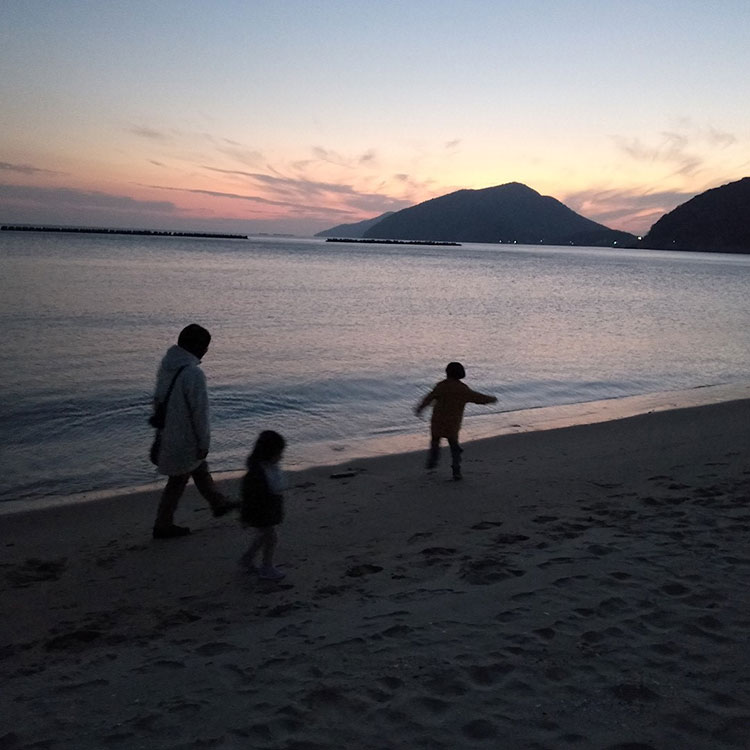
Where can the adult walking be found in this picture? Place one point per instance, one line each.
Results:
(185, 437)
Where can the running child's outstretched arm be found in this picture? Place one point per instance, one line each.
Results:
(481, 398)
(425, 402)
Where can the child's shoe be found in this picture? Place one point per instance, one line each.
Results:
(269, 573)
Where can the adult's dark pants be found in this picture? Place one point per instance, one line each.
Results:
(175, 487)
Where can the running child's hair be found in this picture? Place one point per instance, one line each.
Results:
(455, 370)
(268, 445)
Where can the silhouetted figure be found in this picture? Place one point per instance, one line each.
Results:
(186, 433)
(262, 502)
(449, 398)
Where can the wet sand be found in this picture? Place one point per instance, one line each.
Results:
(583, 587)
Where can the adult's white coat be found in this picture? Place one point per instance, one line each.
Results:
(187, 434)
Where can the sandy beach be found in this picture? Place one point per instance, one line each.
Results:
(583, 587)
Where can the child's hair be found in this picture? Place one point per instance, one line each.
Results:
(455, 370)
(268, 445)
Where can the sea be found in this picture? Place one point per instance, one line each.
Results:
(332, 344)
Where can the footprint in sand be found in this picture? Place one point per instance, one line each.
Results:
(675, 589)
(565, 580)
(445, 684)
(437, 554)
(396, 631)
(357, 571)
(555, 561)
(416, 537)
(214, 649)
(599, 550)
(510, 538)
(429, 706)
(480, 729)
(324, 696)
(180, 617)
(487, 571)
(390, 683)
(546, 634)
(74, 640)
(285, 609)
(168, 664)
(73, 686)
(484, 525)
(631, 693)
(619, 575)
(35, 570)
(330, 590)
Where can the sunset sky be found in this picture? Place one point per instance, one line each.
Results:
(297, 115)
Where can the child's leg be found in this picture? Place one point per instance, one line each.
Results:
(267, 571)
(269, 545)
(257, 544)
(434, 454)
(456, 451)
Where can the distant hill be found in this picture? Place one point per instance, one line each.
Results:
(352, 231)
(715, 221)
(505, 213)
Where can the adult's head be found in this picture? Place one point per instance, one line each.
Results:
(194, 339)
(455, 370)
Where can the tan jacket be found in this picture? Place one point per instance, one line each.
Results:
(450, 397)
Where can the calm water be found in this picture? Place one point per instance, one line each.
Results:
(332, 344)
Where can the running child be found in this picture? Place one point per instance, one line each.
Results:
(449, 398)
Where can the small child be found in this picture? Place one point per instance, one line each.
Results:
(262, 502)
(449, 397)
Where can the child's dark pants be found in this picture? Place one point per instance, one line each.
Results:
(434, 455)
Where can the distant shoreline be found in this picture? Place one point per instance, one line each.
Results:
(140, 232)
(393, 242)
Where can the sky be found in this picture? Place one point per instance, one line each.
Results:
(292, 116)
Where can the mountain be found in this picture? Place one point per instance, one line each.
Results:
(352, 231)
(717, 220)
(505, 213)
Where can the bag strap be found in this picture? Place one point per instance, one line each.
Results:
(171, 387)
(190, 416)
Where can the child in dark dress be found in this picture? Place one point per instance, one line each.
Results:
(262, 502)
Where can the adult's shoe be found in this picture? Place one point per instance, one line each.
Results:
(223, 508)
(170, 532)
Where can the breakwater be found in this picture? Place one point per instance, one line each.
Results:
(136, 232)
(393, 242)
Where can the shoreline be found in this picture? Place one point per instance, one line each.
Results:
(477, 426)
(585, 586)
